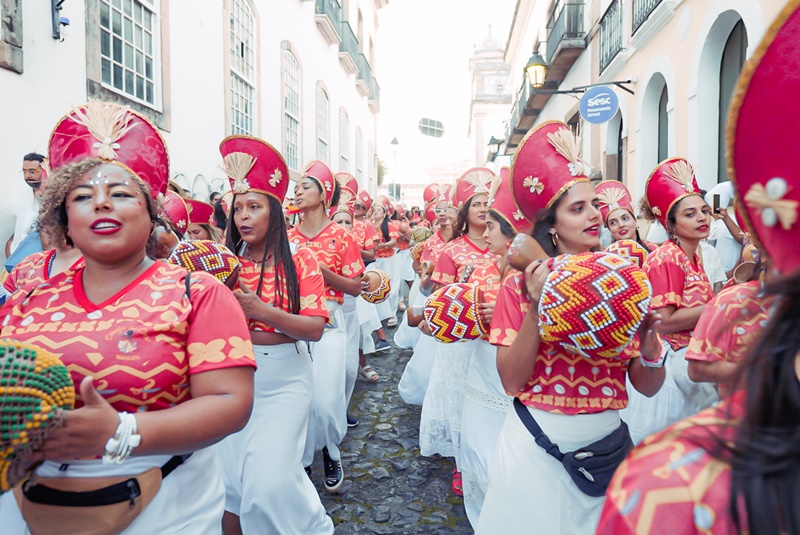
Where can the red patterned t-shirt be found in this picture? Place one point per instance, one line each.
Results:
(142, 344)
(456, 256)
(561, 382)
(679, 282)
(336, 249)
(487, 278)
(34, 270)
(394, 234)
(310, 283)
(670, 483)
(363, 233)
(728, 325)
(433, 248)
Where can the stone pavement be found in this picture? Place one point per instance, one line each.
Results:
(389, 488)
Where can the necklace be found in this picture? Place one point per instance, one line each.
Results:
(257, 262)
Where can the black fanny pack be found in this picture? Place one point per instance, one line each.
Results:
(590, 467)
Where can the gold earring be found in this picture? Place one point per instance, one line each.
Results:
(554, 239)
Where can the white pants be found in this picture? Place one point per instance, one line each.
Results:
(417, 375)
(262, 464)
(327, 424)
(369, 322)
(391, 266)
(405, 336)
(353, 339)
(190, 501)
(530, 491)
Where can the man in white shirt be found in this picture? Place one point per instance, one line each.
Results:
(729, 249)
(28, 203)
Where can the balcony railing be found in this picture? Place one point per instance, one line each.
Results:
(364, 70)
(348, 48)
(610, 34)
(375, 93)
(566, 22)
(642, 10)
(329, 8)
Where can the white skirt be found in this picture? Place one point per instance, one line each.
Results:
(407, 272)
(369, 322)
(327, 423)
(485, 406)
(417, 374)
(391, 266)
(406, 336)
(191, 500)
(262, 464)
(349, 309)
(678, 398)
(440, 422)
(530, 491)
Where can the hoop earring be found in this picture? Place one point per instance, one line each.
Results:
(673, 237)
(554, 239)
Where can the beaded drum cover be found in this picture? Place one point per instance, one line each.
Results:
(629, 249)
(206, 255)
(416, 252)
(35, 390)
(420, 234)
(593, 303)
(452, 313)
(379, 286)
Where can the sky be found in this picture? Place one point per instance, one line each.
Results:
(422, 55)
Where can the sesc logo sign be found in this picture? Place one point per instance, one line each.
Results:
(599, 104)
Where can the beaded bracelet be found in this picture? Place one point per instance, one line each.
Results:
(125, 439)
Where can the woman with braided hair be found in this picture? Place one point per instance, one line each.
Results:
(281, 291)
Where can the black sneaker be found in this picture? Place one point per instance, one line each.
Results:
(334, 472)
(352, 421)
(382, 345)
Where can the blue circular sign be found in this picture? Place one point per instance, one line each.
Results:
(599, 104)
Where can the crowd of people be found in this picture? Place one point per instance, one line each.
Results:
(214, 346)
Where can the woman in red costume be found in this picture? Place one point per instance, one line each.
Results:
(734, 468)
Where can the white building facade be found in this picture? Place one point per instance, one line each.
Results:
(299, 74)
(682, 58)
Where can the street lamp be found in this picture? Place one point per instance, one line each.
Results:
(494, 146)
(536, 70)
(395, 145)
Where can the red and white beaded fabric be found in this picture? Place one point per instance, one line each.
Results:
(629, 249)
(679, 282)
(336, 249)
(455, 257)
(451, 313)
(310, 283)
(561, 382)
(115, 341)
(593, 303)
(205, 255)
(728, 325)
(33, 270)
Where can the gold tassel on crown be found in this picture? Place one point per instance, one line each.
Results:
(480, 179)
(236, 165)
(568, 146)
(611, 197)
(681, 172)
(107, 122)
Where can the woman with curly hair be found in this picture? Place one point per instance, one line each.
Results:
(161, 374)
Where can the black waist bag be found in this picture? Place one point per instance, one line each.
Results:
(590, 467)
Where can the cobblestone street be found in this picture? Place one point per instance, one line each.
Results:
(389, 488)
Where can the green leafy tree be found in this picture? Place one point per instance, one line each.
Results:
(381, 171)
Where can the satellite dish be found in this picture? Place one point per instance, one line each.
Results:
(431, 127)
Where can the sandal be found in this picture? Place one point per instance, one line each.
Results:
(368, 373)
(457, 485)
